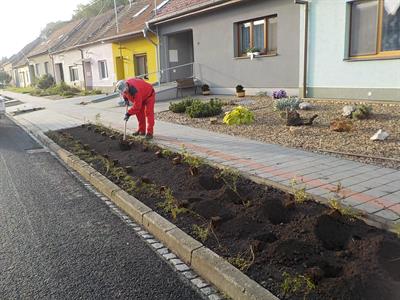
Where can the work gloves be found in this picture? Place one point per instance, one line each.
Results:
(126, 101)
(127, 116)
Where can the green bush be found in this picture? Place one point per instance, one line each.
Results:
(180, 107)
(239, 116)
(45, 82)
(362, 112)
(200, 109)
(290, 103)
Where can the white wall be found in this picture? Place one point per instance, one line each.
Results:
(24, 78)
(96, 53)
(41, 59)
(71, 58)
(327, 40)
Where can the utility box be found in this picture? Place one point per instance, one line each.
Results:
(2, 107)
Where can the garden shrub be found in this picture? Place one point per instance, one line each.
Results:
(362, 112)
(280, 94)
(287, 103)
(239, 116)
(180, 107)
(200, 109)
(45, 82)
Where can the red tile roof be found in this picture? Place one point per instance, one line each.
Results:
(174, 6)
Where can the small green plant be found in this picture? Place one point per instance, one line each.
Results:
(345, 211)
(296, 284)
(299, 191)
(200, 109)
(287, 103)
(362, 112)
(201, 232)
(170, 205)
(191, 160)
(45, 82)
(166, 152)
(239, 116)
(181, 106)
(243, 261)
(397, 229)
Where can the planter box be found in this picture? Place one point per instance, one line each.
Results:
(240, 94)
(205, 93)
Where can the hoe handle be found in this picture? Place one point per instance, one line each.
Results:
(124, 138)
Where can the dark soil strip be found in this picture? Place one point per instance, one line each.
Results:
(295, 250)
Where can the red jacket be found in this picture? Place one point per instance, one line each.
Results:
(144, 92)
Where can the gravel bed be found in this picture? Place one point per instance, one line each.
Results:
(270, 128)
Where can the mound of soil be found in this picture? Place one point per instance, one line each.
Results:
(346, 259)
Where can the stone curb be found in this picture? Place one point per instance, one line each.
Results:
(208, 264)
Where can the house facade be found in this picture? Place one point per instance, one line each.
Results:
(354, 49)
(210, 41)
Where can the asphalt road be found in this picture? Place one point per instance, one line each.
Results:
(59, 241)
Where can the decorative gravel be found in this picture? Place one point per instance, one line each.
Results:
(270, 127)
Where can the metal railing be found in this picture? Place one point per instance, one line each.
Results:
(171, 74)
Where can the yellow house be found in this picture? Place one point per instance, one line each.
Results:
(136, 57)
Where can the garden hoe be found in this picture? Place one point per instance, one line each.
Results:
(125, 145)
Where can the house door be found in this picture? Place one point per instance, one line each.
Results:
(59, 73)
(88, 75)
(180, 52)
(32, 75)
(120, 68)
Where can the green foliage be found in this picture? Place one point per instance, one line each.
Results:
(45, 82)
(345, 211)
(200, 109)
(397, 229)
(91, 92)
(299, 191)
(295, 284)
(22, 90)
(362, 112)
(5, 78)
(201, 232)
(180, 107)
(243, 261)
(239, 116)
(94, 7)
(170, 205)
(287, 103)
(191, 160)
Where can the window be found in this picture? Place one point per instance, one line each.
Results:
(73, 73)
(259, 34)
(37, 70)
(141, 66)
(103, 69)
(46, 67)
(375, 28)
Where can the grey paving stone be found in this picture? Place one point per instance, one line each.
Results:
(376, 192)
(151, 241)
(208, 291)
(147, 236)
(182, 267)
(190, 275)
(163, 251)
(388, 188)
(169, 256)
(368, 207)
(200, 283)
(214, 297)
(157, 245)
(388, 215)
(176, 261)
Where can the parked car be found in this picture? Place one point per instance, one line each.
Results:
(2, 107)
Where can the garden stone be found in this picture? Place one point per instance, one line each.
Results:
(380, 135)
(305, 106)
(348, 111)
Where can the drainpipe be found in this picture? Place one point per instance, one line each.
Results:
(305, 63)
(156, 45)
(83, 69)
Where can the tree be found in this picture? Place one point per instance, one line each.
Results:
(95, 7)
(4, 77)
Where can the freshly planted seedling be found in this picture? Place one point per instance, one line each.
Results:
(345, 211)
(170, 205)
(299, 191)
(201, 232)
(292, 285)
(243, 261)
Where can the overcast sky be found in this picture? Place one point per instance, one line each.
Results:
(22, 20)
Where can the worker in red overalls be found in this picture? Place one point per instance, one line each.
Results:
(141, 94)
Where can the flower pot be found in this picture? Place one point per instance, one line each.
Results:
(240, 94)
(206, 93)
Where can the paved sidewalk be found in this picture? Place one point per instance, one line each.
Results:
(371, 189)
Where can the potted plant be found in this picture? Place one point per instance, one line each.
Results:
(205, 89)
(240, 92)
(252, 52)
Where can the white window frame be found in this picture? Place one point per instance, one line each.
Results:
(100, 62)
(73, 77)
